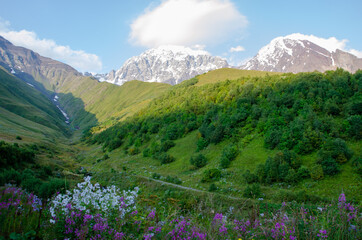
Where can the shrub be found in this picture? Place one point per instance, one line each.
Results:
(354, 128)
(250, 177)
(357, 165)
(18, 138)
(146, 152)
(198, 161)
(291, 177)
(336, 149)
(330, 166)
(133, 151)
(316, 172)
(174, 180)
(156, 176)
(166, 158)
(252, 191)
(201, 144)
(303, 172)
(212, 187)
(272, 138)
(229, 153)
(210, 175)
(166, 145)
(224, 162)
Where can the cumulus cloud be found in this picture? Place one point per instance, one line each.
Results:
(78, 59)
(237, 49)
(331, 44)
(187, 22)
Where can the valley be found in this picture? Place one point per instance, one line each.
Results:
(228, 138)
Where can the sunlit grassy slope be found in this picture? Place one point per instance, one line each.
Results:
(107, 102)
(229, 74)
(27, 112)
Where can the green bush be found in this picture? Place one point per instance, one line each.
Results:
(330, 166)
(146, 152)
(272, 138)
(291, 177)
(252, 191)
(133, 151)
(174, 180)
(198, 161)
(166, 158)
(357, 165)
(156, 176)
(201, 144)
(212, 187)
(354, 128)
(303, 172)
(250, 177)
(316, 172)
(210, 175)
(336, 149)
(166, 145)
(229, 153)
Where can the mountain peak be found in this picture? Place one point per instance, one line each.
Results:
(166, 64)
(175, 49)
(302, 53)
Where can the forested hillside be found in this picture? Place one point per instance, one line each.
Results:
(300, 126)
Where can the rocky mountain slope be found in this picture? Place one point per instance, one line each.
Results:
(167, 64)
(298, 53)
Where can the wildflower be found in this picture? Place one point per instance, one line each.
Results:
(223, 229)
(341, 200)
(87, 217)
(322, 234)
(151, 215)
(118, 235)
(218, 217)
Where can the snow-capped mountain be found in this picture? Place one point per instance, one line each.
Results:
(301, 53)
(166, 64)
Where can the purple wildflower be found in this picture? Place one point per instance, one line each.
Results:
(322, 234)
(151, 215)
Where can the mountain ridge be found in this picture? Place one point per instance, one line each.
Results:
(166, 64)
(300, 53)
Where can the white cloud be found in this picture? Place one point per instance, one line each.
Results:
(331, 44)
(237, 49)
(78, 59)
(187, 22)
(356, 52)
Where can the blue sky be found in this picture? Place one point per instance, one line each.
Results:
(99, 36)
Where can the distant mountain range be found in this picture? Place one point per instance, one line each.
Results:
(298, 53)
(174, 64)
(166, 64)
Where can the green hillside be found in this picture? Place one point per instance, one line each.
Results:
(223, 74)
(296, 135)
(106, 103)
(26, 112)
